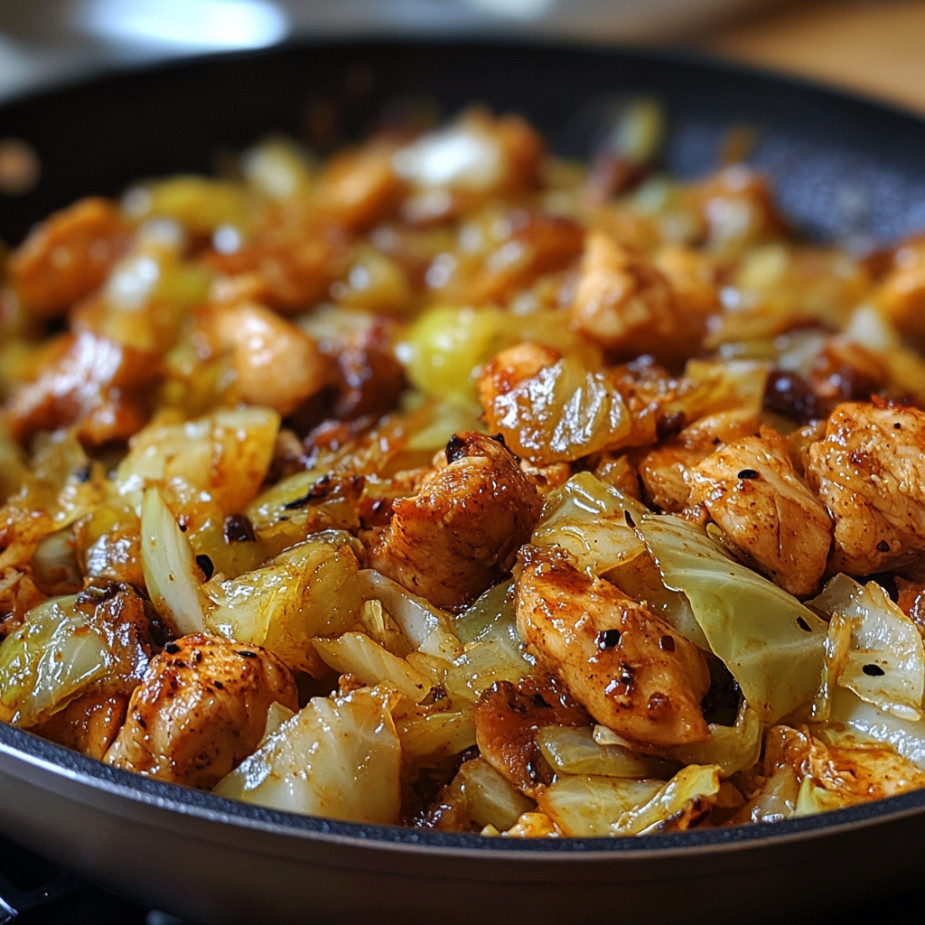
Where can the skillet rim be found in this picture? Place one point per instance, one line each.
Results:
(24, 749)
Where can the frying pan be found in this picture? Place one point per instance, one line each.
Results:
(845, 169)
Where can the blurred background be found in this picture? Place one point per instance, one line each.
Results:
(874, 46)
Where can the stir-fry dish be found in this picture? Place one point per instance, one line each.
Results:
(446, 483)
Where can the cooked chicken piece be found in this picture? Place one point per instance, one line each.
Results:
(359, 187)
(460, 533)
(869, 471)
(630, 670)
(666, 470)
(200, 710)
(508, 369)
(902, 293)
(693, 276)
(102, 387)
(736, 207)
(752, 490)
(367, 376)
(507, 719)
(652, 396)
(288, 263)
(910, 598)
(533, 243)
(277, 364)
(845, 370)
(619, 472)
(90, 723)
(625, 304)
(68, 256)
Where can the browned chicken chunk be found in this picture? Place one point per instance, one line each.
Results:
(200, 710)
(666, 470)
(752, 490)
(460, 533)
(627, 667)
(624, 303)
(102, 387)
(507, 719)
(68, 256)
(276, 363)
(869, 471)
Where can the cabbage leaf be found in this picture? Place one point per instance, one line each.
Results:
(770, 642)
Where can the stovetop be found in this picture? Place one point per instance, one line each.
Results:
(34, 891)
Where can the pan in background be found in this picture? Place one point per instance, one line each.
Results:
(844, 169)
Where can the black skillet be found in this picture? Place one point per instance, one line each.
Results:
(845, 170)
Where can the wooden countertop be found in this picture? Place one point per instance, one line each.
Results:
(874, 46)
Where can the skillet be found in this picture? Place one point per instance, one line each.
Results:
(845, 169)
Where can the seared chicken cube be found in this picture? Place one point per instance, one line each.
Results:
(752, 490)
(629, 669)
(666, 470)
(276, 363)
(460, 533)
(68, 256)
(200, 710)
(99, 386)
(625, 304)
(869, 471)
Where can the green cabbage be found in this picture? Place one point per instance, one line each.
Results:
(336, 758)
(874, 649)
(49, 660)
(770, 642)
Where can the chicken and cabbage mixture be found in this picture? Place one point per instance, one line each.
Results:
(445, 483)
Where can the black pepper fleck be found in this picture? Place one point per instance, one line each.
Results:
(874, 671)
(883, 546)
(747, 474)
(629, 520)
(171, 648)
(608, 639)
(205, 563)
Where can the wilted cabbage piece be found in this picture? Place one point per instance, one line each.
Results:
(677, 805)
(560, 414)
(590, 805)
(906, 737)
(170, 571)
(336, 757)
(484, 798)
(305, 591)
(225, 454)
(873, 648)
(58, 651)
(729, 748)
(592, 520)
(770, 642)
(576, 750)
(372, 664)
